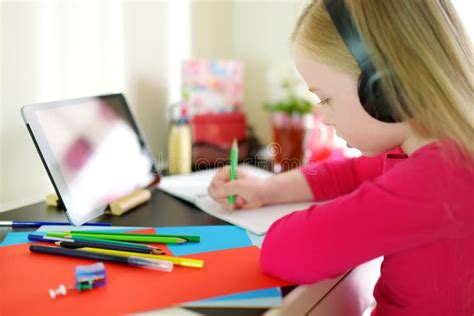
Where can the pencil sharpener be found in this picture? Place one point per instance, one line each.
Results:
(90, 276)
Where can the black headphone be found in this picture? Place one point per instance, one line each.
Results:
(369, 87)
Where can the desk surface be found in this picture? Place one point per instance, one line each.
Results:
(165, 210)
(161, 210)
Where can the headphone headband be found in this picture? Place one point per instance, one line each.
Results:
(348, 31)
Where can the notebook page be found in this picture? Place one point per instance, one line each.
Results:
(191, 187)
(188, 187)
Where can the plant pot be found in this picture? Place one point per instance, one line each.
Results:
(288, 133)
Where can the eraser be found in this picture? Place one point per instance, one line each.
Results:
(129, 201)
(52, 199)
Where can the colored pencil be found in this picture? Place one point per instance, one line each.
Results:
(89, 232)
(124, 237)
(38, 224)
(69, 236)
(185, 262)
(99, 243)
(130, 260)
(43, 238)
(53, 239)
(234, 156)
(115, 242)
(75, 244)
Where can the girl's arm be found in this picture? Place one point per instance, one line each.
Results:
(405, 208)
(329, 180)
(322, 181)
(317, 181)
(287, 187)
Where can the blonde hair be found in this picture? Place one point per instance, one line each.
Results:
(423, 49)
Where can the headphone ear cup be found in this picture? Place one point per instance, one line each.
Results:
(373, 100)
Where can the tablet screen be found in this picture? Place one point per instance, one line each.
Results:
(93, 150)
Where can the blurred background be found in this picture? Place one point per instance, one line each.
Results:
(52, 50)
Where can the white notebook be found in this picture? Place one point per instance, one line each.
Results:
(193, 188)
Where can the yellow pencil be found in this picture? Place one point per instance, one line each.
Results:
(185, 262)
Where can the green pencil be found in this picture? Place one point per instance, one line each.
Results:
(89, 232)
(234, 156)
(124, 237)
(83, 237)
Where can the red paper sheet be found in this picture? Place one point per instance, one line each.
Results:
(26, 278)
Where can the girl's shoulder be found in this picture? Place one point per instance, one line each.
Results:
(434, 175)
(431, 184)
(443, 157)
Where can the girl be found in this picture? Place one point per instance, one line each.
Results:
(407, 106)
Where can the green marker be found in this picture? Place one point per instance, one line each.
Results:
(234, 156)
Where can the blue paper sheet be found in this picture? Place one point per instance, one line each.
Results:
(265, 298)
(212, 237)
(218, 237)
(15, 238)
(274, 291)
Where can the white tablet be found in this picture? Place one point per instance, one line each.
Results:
(92, 150)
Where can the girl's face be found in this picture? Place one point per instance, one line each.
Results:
(341, 108)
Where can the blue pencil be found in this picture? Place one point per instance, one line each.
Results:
(38, 224)
(43, 238)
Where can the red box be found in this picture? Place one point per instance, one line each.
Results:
(212, 136)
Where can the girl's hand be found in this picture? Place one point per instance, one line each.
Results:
(248, 189)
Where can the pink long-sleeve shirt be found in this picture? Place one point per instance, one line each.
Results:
(417, 212)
